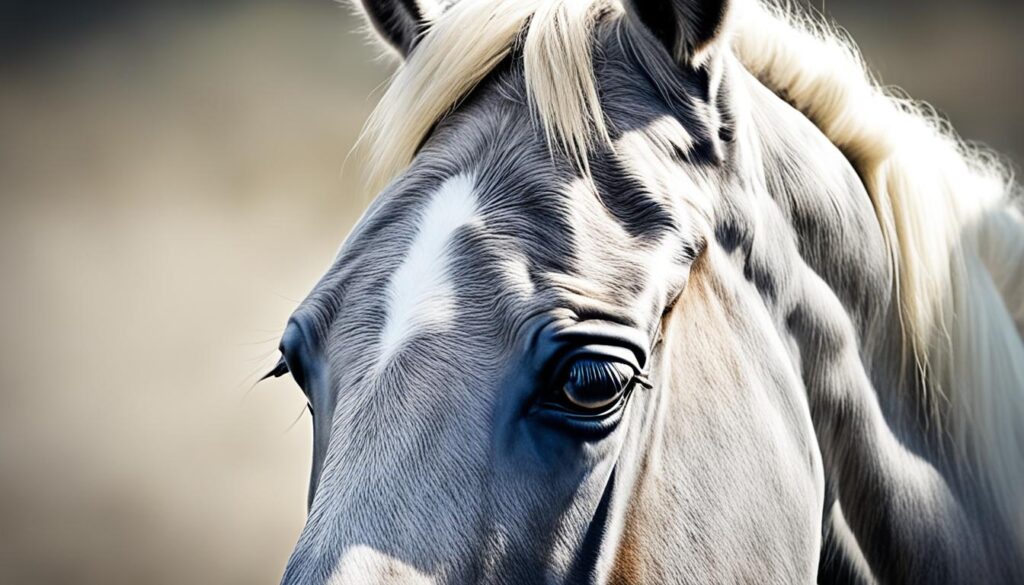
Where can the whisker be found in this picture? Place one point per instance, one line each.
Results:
(260, 341)
(298, 418)
(275, 372)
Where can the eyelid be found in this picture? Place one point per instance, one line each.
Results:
(594, 333)
(612, 353)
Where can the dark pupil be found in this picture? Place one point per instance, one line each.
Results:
(595, 384)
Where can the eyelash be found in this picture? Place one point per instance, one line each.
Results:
(592, 385)
(280, 369)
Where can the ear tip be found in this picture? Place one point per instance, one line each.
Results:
(399, 23)
(685, 27)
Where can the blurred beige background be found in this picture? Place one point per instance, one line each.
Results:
(171, 185)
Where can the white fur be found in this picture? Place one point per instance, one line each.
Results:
(363, 564)
(420, 292)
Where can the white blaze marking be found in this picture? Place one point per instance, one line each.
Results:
(362, 564)
(420, 293)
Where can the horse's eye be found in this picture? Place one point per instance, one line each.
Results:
(593, 386)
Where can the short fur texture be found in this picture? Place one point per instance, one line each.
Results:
(820, 323)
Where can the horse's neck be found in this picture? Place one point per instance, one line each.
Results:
(808, 195)
(811, 230)
(817, 202)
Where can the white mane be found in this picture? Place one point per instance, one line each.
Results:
(957, 245)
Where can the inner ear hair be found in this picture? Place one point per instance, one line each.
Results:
(686, 28)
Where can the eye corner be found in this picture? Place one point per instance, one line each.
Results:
(641, 379)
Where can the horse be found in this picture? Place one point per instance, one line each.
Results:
(661, 291)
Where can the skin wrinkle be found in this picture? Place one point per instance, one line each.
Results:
(720, 225)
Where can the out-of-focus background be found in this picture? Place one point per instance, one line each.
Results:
(172, 182)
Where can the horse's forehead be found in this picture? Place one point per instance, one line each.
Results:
(420, 294)
(428, 265)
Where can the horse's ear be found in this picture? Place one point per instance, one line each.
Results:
(687, 28)
(400, 23)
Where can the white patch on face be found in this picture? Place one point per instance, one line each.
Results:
(649, 157)
(420, 294)
(362, 564)
(516, 276)
(665, 274)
